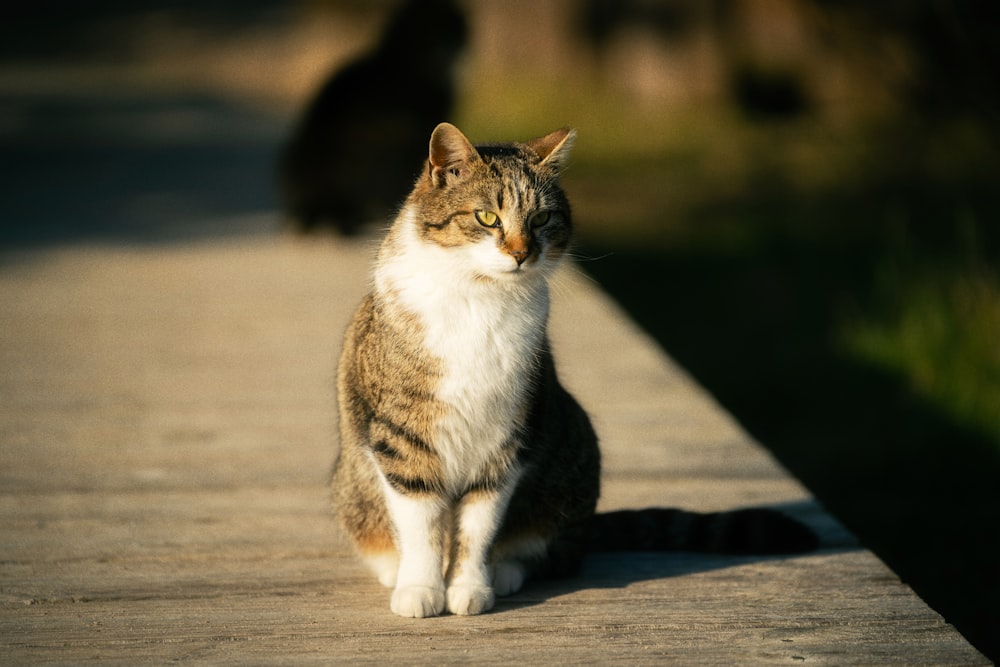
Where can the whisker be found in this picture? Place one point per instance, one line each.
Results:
(576, 273)
(584, 258)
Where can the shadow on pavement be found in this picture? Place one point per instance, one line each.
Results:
(120, 168)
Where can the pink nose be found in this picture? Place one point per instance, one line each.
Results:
(519, 256)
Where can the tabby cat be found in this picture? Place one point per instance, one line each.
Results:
(464, 464)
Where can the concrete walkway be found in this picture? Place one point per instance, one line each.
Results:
(167, 424)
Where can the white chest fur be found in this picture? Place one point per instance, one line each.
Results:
(485, 333)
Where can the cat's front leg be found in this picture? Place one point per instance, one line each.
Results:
(470, 589)
(420, 590)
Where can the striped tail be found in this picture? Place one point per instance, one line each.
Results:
(745, 531)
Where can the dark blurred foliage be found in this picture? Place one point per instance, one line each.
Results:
(105, 29)
(600, 19)
(954, 45)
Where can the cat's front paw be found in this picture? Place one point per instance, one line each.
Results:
(467, 600)
(417, 601)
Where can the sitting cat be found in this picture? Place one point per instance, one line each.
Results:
(464, 465)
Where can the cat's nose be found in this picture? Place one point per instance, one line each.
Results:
(519, 256)
(517, 247)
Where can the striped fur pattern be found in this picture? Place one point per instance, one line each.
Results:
(463, 461)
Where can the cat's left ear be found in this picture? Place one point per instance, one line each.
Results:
(554, 147)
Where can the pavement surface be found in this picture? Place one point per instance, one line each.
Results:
(167, 424)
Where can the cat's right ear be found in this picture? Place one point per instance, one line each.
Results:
(554, 147)
(450, 154)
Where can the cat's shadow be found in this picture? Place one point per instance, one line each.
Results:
(619, 570)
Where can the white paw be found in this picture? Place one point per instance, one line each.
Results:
(417, 601)
(387, 578)
(385, 567)
(466, 600)
(508, 577)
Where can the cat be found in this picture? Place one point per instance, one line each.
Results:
(465, 466)
(352, 155)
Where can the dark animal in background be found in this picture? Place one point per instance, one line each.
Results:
(361, 141)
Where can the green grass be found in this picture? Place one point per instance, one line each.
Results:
(940, 330)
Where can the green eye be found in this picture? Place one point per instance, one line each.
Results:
(487, 218)
(540, 218)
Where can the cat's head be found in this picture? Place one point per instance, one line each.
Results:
(497, 210)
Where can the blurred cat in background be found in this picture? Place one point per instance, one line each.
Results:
(352, 156)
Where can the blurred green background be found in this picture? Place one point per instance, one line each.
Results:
(797, 198)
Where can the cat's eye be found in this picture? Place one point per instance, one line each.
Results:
(488, 218)
(540, 218)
